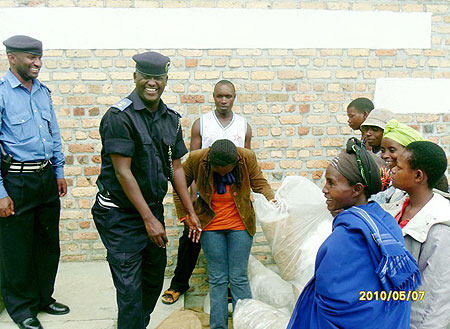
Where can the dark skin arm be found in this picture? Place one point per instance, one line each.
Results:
(6, 207)
(179, 184)
(155, 230)
(196, 144)
(62, 186)
(248, 137)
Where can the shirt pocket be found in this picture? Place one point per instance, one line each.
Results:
(22, 125)
(47, 117)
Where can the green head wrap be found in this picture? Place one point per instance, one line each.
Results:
(401, 133)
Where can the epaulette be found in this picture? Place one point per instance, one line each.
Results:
(123, 104)
(47, 88)
(176, 112)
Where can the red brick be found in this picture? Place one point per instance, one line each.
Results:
(85, 224)
(96, 159)
(192, 99)
(78, 111)
(317, 174)
(94, 111)
(69, 159)
(191, 62)
(83, 159)
(80, 148)
(291, 87)
(90, 171)
(303, 130)
(304, 108)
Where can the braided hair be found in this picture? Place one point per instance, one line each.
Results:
(222, 153)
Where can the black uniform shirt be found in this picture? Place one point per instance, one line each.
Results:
(130, 130)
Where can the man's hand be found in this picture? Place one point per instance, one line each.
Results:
(195, 230)
(6, 207)
(156, 232)
(62, 186)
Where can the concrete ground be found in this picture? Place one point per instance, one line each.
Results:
(88, 289)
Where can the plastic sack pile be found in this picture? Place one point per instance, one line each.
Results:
(295, 227)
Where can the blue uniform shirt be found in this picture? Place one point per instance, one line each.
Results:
(28, 127)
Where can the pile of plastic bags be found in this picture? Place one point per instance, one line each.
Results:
(295, 227)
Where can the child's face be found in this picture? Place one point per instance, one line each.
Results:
(390, 150)
(402, 174)
(355, 118)
(373, 135)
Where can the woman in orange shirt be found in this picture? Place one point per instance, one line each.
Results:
(225, 175)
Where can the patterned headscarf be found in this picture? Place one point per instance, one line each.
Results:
(357, 165)
(401, 133)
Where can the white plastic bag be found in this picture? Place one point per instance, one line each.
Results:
(294, 227)
(269, 287)
(253, 314)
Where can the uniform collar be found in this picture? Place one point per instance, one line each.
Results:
(138, 104)
(436, 211)
(15, 82)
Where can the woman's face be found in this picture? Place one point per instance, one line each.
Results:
(373, 135)
(223, 170)
(402, 174)
(390, 150)
(338, 192)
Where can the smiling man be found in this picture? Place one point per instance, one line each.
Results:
(32, 161)
(142, 150)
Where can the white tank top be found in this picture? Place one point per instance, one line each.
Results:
(211, 129)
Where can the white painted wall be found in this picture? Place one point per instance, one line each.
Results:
(198, 28)
(408, 95)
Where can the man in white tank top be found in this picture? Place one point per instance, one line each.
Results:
(221, 123)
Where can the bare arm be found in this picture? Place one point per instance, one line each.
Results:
(122, 168)
(180, 186)
(248, 137)
(196, 144)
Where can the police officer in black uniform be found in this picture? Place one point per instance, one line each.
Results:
(142, 149)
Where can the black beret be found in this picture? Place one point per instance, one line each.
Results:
(152, 63)
(23, 44)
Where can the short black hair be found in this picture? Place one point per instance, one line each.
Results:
(361, 105)
(223, 152)
(225, 82)
(428, 157)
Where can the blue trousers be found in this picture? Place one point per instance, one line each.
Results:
(227, 253)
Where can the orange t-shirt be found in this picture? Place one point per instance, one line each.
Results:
(227, 216)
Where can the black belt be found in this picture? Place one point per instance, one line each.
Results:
(27, 167)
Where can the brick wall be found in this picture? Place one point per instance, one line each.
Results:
(295, 100)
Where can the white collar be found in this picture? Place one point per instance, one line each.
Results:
(436, 211)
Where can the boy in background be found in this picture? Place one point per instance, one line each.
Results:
(357, 112)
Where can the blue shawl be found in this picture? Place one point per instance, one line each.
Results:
(365, 252)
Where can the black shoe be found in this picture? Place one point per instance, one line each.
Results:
(30, 323)
(56, 308)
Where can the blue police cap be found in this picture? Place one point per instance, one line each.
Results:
(152, 63)
(23, 44)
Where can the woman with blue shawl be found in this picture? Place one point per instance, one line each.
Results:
(364, 260)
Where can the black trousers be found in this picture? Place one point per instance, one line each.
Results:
(186, 260)
(29, 243)
(137, 265)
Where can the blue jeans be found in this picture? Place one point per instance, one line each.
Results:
(227, 253)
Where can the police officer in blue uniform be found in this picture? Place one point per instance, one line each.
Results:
(142, 149)
(31, 182)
